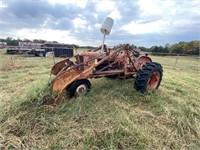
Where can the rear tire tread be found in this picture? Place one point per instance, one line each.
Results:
(144, 74)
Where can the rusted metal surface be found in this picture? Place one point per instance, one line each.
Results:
(59, 66)
(119, 61)
(109, 72)
(65, 78)
(140, 61)
(62, 81)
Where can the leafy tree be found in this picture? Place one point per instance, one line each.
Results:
(143, 49)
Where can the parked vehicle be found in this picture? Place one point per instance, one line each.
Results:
(39, 49)
(59, 50)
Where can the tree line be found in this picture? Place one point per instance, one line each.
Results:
(190, 48)
(14, 42)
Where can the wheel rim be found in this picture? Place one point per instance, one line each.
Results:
(153, 81)
(81, 89)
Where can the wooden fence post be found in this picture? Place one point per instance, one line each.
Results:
(176, 60)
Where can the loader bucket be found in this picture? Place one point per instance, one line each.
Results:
(65, 76)
(64, 80)
(59, 66)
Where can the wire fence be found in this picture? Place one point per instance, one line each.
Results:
(182, 61)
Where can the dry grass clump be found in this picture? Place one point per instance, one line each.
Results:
(9, 64)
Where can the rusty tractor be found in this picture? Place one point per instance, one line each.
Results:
(120, 62)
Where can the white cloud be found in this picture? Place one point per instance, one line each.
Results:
(47, 34)
(115, 14)
(55, 35)
(3, 22)
(142, 28)
(162, 17)
(79, 3)
(109, 7)
(156, 7)
(2, 5)
(89, 28)
(105, 5)
(79, 23)
(46, 21)
(97, 25)
(95, 15)
(168, 8)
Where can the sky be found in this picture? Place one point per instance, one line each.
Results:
(139, 22)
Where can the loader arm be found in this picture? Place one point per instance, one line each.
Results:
(65, 78)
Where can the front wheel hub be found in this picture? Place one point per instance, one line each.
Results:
(81, 89)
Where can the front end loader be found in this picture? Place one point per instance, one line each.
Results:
(119, 62)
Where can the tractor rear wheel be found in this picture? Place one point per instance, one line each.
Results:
(79, 87)
(148, 77)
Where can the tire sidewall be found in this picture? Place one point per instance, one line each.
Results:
(144, 74)
(71, 90)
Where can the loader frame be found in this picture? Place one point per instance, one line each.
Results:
(119, 62)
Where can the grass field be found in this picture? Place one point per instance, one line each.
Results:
(111, 116)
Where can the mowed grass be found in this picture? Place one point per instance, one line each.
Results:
(111, 116)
